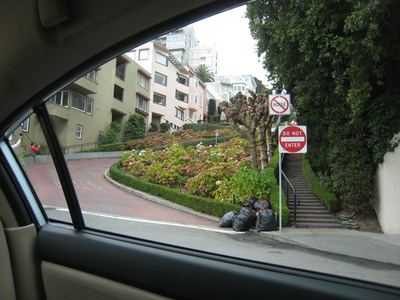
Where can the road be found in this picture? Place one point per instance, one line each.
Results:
(97, 195)
(109, 208)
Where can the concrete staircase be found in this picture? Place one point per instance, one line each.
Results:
(311, 213)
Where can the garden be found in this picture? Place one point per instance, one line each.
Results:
(212, 178)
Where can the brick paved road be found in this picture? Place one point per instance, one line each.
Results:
(96, 194)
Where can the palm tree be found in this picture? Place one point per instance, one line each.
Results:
(204, 73)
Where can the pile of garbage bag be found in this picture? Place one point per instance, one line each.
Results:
(257, 213)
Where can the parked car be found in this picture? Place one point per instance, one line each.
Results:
(46, 46)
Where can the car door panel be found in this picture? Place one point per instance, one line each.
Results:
(187, 274)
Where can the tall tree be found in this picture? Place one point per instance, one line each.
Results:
(250, 115)
(241, 112)
(205, 74)
(260, 85)
(335, 57)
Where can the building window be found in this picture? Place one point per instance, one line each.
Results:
(143, 81)
(160, 78)
(141, 103)
(78, 101)
(182, 79)
(194, 82)
(61, 98)
(201, 99)
(159, 99)
(79, 131)
(193, 116)
(25, 125)
(144, 54)
(89, 106)
(193, 98)
(120, 67)
(161, 59)
(91, 75)
(180, 114)
(181, 96)
(118, 92)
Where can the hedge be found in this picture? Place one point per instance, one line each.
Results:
(201, 204)
(207, 126)
(327, 198)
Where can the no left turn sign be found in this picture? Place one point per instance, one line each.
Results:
(279, 104)
(292, 139)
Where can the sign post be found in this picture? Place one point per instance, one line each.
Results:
(292, 139)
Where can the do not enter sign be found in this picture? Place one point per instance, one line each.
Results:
(293, 139)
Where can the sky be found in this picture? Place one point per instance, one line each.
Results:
(229, 32)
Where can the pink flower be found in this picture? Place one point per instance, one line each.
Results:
(219, 182)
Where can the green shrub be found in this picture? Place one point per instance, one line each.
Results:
(164, 127)
(153, 127)
(327, 198)
(206, 126)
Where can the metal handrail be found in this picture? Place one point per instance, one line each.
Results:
(296, 197)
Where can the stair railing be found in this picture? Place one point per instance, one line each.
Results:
(296, 197)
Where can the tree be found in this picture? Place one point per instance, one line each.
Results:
(338, 58)
(241, 113)
(250, 115)
(204, 73)
(260, 85)
(135, 126)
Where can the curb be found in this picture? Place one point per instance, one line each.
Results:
(159, 200)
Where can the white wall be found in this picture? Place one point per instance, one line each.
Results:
(387, 181)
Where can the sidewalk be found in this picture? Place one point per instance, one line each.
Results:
(373, 246)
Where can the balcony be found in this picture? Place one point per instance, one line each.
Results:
(85, 86)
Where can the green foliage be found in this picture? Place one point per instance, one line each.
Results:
(205, 74)
(197, 203)
(207, 126)
(111, 134)
(135, 126)
(153, 127)
(327, 198)
(382, 123)
(260, 85)
(212, 107)
(165, 127)
(248, 182)
(339, 60)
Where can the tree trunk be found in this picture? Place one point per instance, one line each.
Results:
(263, 146)
(253, 148)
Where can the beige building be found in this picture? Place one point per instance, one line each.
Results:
(177, 94)
(85, 108)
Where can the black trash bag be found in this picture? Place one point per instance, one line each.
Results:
(244, 220)
(262, 204)
(227, 219)
(249, 202)
(267, 220)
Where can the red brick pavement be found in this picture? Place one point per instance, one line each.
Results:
(96, 194)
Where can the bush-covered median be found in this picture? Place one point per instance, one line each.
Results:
(209, 179)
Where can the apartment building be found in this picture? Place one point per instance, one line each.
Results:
(204, 55)
(85, 108)
(239, 83)
(177, 94)
(179, 42)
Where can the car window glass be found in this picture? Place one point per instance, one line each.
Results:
(31, 149)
